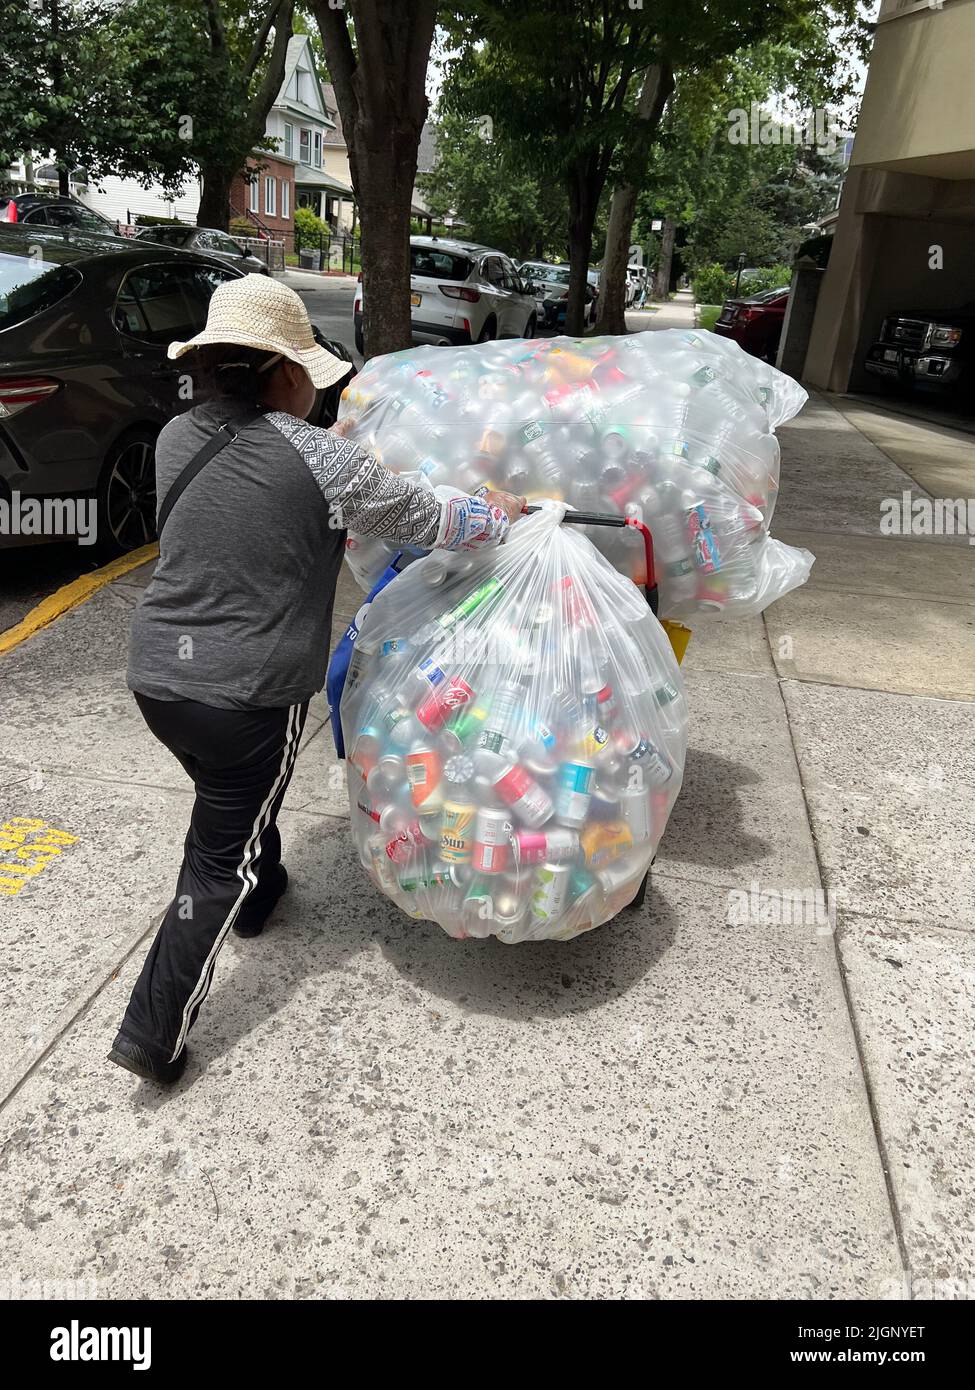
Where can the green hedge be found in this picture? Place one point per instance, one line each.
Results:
(712, 284)
(768, 278)
(147, 219)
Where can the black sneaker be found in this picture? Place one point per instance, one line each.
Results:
(135, 1058)
(252, 916)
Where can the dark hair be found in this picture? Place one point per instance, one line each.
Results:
(224, 371)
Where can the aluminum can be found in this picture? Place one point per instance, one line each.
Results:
(492, 847)
(555, 846)
(423, 768)
(635, 811)
(574, 793)
(457, 831)
(530, 802)
(441, 703)
(551, 895)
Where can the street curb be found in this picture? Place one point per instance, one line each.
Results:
(71, 595)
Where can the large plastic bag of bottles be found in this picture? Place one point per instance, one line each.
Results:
(515, 728)
(673, 428)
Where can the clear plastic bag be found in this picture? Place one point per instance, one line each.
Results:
(672, 427)
(515, 727)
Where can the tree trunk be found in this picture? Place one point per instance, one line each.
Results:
(612, 281)
(215, 197)
(64, 181)
(661, 282)
(384, 184)
(582, 218)
(658, 83)
(380, 91)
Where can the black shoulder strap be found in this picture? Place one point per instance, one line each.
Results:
(225, 435)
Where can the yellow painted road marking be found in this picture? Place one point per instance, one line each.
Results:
(71, 595)
(21, 838)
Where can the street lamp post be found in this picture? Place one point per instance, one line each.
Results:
(741, 267)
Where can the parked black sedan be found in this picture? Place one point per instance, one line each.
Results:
(85, 383)
(207, 239)
(52, 210)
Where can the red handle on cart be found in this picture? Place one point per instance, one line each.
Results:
(602, 519)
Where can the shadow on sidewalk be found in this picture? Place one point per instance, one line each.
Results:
(318, 943)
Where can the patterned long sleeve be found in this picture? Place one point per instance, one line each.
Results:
(372, 501)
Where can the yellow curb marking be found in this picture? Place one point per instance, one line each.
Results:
(32, 855)
(71, 595)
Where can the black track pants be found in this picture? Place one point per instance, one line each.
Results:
(240, 762)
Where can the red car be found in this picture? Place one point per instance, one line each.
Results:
(755, 323)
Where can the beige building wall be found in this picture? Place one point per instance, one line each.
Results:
(918, 112)
(910, 187)
(335, 161)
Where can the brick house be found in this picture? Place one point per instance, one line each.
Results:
(267, 198)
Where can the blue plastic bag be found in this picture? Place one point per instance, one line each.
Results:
(338, 667)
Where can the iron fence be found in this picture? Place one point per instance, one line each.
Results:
(336, 252)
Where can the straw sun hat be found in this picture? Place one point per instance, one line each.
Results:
(258, 312)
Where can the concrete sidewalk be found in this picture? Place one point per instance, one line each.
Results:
(679, 312)
(668, 1107)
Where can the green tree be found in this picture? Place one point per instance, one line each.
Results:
(482, 180)
(58, 98)
(158, 90)
(554, 77)
(215, 68)
(584, 85)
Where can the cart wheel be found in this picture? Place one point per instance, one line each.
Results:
(641, 894)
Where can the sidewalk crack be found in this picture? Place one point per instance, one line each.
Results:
(851, 1013)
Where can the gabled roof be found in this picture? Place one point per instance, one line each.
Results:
(333, 138)
(299, 48)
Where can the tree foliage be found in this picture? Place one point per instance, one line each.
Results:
(153, 89)
(484, 181)
(560, 78)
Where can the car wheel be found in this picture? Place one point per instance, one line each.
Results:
(489, 331)
(530, 326)
(772, 351)
(360, 343)
(126, 495)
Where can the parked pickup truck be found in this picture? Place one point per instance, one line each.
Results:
(925, 351)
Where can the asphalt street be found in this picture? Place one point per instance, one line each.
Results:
(328, 299)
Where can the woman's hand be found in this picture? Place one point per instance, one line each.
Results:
(511, 506)
(342, 427)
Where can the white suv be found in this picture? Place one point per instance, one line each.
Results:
(461, 293)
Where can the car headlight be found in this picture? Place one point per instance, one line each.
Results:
(945, 337)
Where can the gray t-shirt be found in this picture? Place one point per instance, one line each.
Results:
(239, 610)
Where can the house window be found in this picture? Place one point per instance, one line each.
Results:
(318, 149)
(285, 198)
(304, 145)
(289, 141)
(270, 187)
(254, 194)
